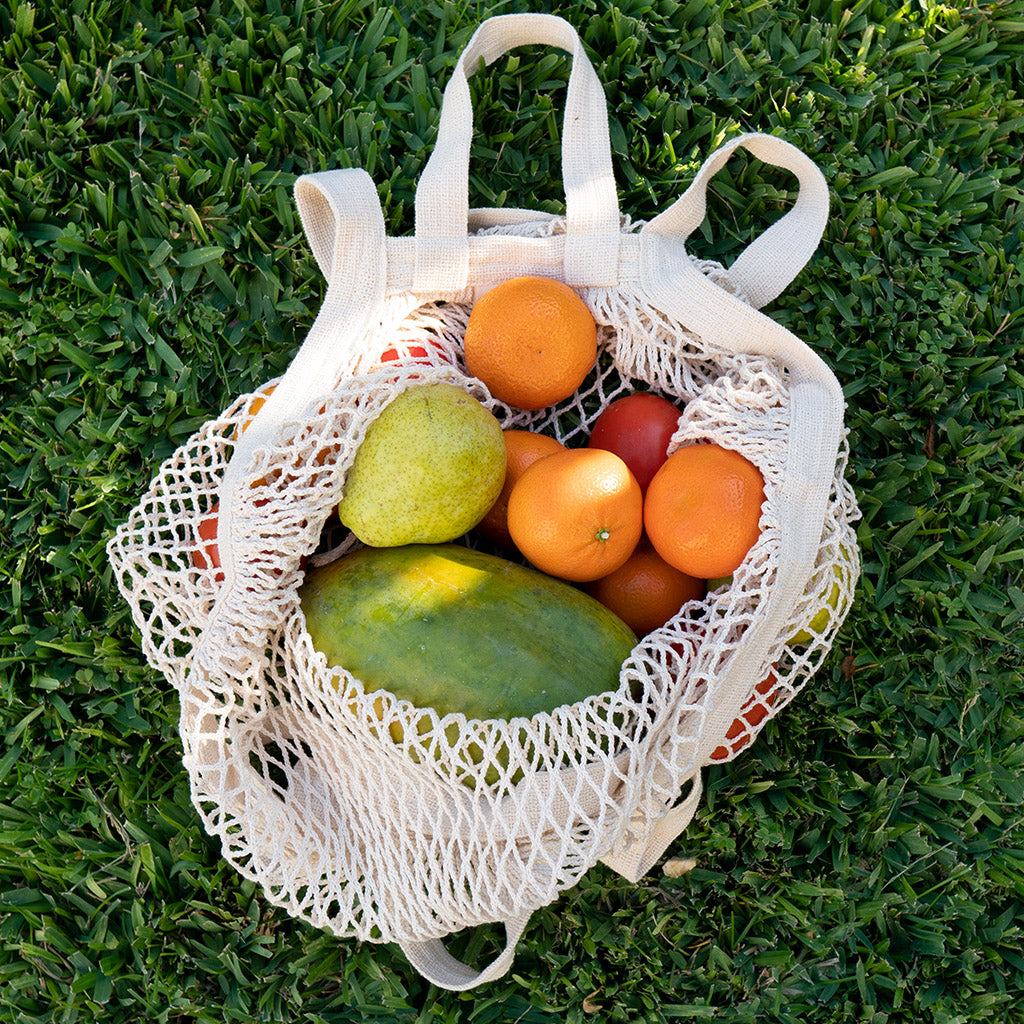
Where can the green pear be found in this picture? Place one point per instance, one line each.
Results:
(829, 599)
(430, 467)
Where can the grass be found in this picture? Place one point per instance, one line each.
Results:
(862, 863)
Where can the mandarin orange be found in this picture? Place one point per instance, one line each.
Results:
(702, 510)
(254, 407)
(522, 449)
(645, 591)
(531, 340)
(577, 514)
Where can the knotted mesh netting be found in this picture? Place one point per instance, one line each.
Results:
(360, 813)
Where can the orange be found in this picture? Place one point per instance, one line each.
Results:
(531, 340)
(250, 414)
(522, 449)
(702, 510)
(257, 403)
(577, 514)
(645, 591)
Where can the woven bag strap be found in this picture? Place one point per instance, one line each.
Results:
(345, 226)
(343, 221)
(677, 287)
(442, 195)
(438, 966)
(771, 261)
(634, 860)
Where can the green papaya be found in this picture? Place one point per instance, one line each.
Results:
(457, 630)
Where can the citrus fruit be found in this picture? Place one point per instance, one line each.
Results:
(254, 407)
(702, 510)
(522, 449)
(208, 555)
(638, 429)
(645, 591)
(577, 514)
(251, 412)
(531, 340)
(257, 403)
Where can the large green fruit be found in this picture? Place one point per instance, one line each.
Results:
(457, 630)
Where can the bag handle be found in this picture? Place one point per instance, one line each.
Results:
(772, 260)
(635, 859)
(442, 195)
(438, 966)
(677, 287)
(342, 217)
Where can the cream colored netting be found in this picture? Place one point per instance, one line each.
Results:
(299, 772)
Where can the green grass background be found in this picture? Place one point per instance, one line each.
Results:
(863, 863)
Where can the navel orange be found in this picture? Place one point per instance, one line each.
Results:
(577, 514)
(531, 340)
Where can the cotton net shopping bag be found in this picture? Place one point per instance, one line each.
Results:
(293, 765)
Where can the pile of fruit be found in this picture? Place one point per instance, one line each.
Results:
(640, 531)
(617, 535)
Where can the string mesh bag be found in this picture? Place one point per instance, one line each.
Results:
(381, 821)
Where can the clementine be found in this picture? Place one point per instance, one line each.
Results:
(522, 449)
(645, 591)
(702, 510)
(254, 407)
(577, 514)
(531, 340)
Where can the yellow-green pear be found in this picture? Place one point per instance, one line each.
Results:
(428, 470)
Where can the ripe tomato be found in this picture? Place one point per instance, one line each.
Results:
(208, 556)
(638, 429)
(752, 714)
(428, 354)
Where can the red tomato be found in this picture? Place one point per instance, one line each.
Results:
(417, 354)
(638, 429)
(753, 713)
(208, 556)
